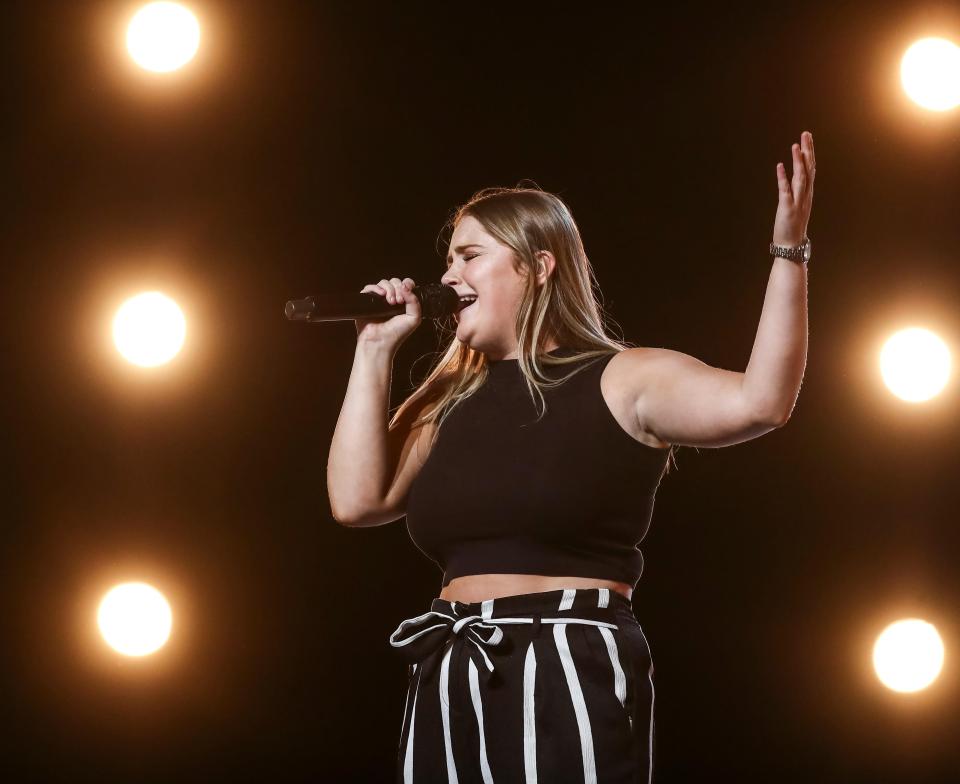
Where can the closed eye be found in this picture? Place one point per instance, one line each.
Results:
(465, 258)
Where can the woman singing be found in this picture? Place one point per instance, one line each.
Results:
(526, 464)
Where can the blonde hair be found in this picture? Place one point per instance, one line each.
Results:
(566, 307)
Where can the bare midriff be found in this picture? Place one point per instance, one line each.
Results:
(473, 588)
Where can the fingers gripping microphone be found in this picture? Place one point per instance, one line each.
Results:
(436, 301)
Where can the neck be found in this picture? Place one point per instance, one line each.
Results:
(549, 345)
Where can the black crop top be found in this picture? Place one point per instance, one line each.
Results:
(570, 495)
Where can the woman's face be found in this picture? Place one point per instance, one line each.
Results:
(478, 264)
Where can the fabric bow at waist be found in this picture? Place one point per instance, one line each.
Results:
(417, 638)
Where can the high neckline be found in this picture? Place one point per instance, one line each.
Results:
(493, 364)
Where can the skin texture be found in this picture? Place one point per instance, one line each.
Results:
(795, 195)
(480, 265)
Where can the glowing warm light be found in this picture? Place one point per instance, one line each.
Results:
(134, 619)
(162, 37)
(908, 655)
(915, 364)
(930, 74)
(149, 329)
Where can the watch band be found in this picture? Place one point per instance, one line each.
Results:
(799, 253)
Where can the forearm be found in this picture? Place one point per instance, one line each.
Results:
(357, 466)
(775, 371)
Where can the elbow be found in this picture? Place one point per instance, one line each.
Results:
(772, 416)
(770, 411)
(778, 419)
(362, 517)
(340, 517)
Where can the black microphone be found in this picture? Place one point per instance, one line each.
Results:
(436, 301)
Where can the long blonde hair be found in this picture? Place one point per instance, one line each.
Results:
(567, 307)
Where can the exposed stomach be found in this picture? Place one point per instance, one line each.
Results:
(479, 587)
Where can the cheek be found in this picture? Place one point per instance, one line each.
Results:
(506, 293)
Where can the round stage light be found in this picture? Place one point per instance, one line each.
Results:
(163, 36)
(915, 364)
(134, 619)
(149, 329)
(930, 74)
(908, 655)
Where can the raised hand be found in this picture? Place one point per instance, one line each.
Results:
(796, 194)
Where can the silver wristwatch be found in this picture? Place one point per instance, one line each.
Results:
(799, 253)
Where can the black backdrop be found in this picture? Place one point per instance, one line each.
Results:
(320, 146)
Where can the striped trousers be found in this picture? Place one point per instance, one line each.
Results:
(549, 687)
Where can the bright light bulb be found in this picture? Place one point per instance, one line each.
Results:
(930, 74)
(134, 619)
(915, 364)
(908, 655)
(163, 36)
(149, 329)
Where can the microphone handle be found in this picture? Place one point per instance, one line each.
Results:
(333, 307)
(436, 301)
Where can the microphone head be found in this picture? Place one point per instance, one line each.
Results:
(437, 300)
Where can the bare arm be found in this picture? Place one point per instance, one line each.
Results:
(357, 467)
(775, 371)
(681, 400)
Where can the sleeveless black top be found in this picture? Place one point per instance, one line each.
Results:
(570, 495)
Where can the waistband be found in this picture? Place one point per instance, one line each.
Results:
(558, 601)
(479, 623)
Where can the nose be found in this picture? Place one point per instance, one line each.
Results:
(449, 279)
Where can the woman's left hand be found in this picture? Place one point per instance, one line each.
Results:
(796, 195)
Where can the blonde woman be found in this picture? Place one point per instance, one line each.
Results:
(526, 465)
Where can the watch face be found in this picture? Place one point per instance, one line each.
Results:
(806, 251)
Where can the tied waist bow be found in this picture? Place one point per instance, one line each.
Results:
(417, 638)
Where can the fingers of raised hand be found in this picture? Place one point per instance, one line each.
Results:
(783, 184)
(806, 148)
(799, 173)
(807, 156)
(810, 162)
(798, 188)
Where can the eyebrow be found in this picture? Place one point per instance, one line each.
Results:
(460, 249)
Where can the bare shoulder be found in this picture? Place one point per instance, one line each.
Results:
(622, 384)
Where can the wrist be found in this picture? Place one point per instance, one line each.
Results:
(799, 252)
(789, 241)
(376, 350)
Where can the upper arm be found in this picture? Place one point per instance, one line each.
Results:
(684, 401)
(408, 446)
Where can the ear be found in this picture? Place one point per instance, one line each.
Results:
(546, 263)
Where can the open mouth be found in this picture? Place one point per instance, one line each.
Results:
(465, 303)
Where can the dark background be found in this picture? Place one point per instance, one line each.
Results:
(318, 146)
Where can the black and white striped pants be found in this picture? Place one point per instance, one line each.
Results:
(548, 687)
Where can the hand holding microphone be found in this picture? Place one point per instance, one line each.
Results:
(384, 312)
(398, 328)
